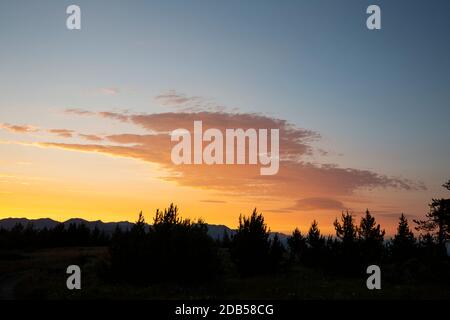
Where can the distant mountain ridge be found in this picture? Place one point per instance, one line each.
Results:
(214, 231)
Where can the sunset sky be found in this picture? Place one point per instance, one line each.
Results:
(85, 115)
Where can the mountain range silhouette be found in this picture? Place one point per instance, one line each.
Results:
(214, 231)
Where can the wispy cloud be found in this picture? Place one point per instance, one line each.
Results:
(175, 99)
(213, 201)
(90, 137)
(108, 91)
(65, 133)
(296, 178)
(79, 112)
(185, 103)
(318, 203)
(18, 128)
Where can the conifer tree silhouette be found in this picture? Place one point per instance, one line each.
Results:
(172, 249)
(297, 244)
(346, 229)
(348, 255)
(371, 238)
(437, 222)
(404, 242)
(251, 245)
(314, 239)
(276, 253)
(315, 245)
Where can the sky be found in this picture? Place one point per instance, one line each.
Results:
(84, 114)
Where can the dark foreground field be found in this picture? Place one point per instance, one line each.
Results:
(41, 274)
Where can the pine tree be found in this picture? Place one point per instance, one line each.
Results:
(315, 246)
(139, 226)
(297, 244)
(174, 249)
(314, 239)
(437, 221)
(447, 185)
(250, 245)
(276, 253)
(346, 230)
(369, 231)
(371, 238)
(169, 216)
(404, 242)
(348, 257)
(404, 234)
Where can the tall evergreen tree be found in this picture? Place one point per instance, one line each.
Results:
(346, 230)
(437, 220)
(369, 231)
(139, 226)
(314, 238)
(348, 257)
(315, 246)
(251, 245)
(404, 242)
(371, 238)
(297, 244)
(276, 253)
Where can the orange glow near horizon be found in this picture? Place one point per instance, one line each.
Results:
(62, 174)
(61, 184)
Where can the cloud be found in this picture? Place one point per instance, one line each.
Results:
(109, 91)
(318, 203)
(213, 201)
(103, 114)
(79, 112)
(185, 103)
(174, 99)
(294, 142)
(90, 137)
(65, 133)
(296, 176)
(114, 115)
(18, 128)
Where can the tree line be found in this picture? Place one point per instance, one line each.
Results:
(28, 237)
(180, 250)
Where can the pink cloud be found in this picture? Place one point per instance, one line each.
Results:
(296, 178)
(65, 133)
(79, 112)
(18, 128)
(90, 137)
(185, 103)
(318, 203)
(174, 99)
